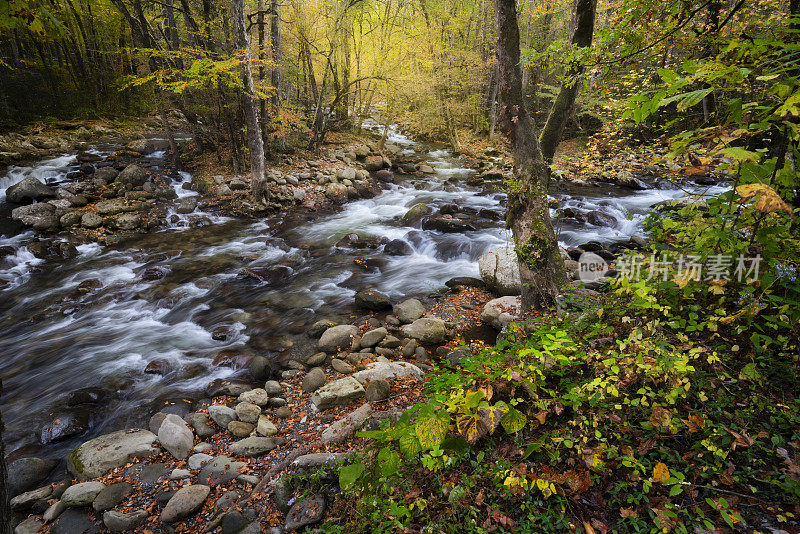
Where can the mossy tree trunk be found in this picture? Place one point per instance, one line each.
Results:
(582, 31)
(541, 266)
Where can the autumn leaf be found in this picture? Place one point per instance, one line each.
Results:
(628, 512)
(695, 422)
(660, 473)
(471, 428)
(741, 440)
(766, 199)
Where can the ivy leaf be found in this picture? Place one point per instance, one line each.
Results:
(514, 421)
(471, 428)
(492, 416)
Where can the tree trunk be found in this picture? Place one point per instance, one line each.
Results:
(540, 263)
(262, 103)
(5, 509)
(277, 58)
(583, 29)
(254, 142)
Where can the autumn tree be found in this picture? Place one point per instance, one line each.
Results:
(540, 262)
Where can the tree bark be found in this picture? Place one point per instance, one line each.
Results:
(5, 509)
(583, 29)
(277, 58)
(540, 263)
(254, 141)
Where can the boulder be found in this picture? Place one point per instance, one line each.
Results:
(371, 299)
(426, 330)
(501, 311)
(27, 190)
(499, 269)
(397, 247)
(185, 502)
(107, 174)
(377, 390)
(91, 220)
(25, 473)
(416, 213)
(409, 310)
(186, 205)
(373, 337)
(248, 412)
(373, 163)
(345, 427)
(305, 512)
(95, 457)
(111, 496)
(132, 175)
(40, 216)
(447, 224)
(337, 393)
(176, 436)
(82, 494)
(124, 522)
(220, 470)
(221, 414)
(252, 446)
(337, 337)
(128, 221)
(598, 218)
(386, 370)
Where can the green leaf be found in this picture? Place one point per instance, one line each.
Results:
(431, 427)
(409, 445)
(390, 462)
(349, 474)
(514, 421)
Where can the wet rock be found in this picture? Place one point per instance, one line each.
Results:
(426, 330)
(371, 299)
(159, 367)
(337, 337)
(23, 501)
(502, 311)
(75, 521)
(345, 427)
(253, 446)
(385, 175)
(313, 380)
(465, 281)
(240, 429)
(82, 494)
(25, 473)
(91, 220)
(110, 496)
(447, 224)
(260, 368)
(386, 370)
(598, 218)
(132, 175)
(222, 415)
(176, 436)
(319, 328)
(40, 216)
(305, 512)
(124, 522)
(337, 393)
(28, 190)
(185, 502)
(499, 269)
(201, 423)
(248, 412)
(373, 337)
(409, 310)
(186, 205)
(106, 174)
(65, 425)
(416, 213)
(377, 390)
(397, 247)
(29, 526)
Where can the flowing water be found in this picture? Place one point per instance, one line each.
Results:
(177, 297)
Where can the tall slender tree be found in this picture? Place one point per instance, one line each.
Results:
(540, 263)
(255, 143)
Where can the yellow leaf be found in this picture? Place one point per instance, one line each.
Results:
(660, 473)
(766, 199)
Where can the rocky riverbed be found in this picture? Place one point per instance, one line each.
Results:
(239, 336)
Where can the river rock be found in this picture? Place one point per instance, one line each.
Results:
(409, 310)
(265, 427)
(465, 281)
(337, 393)
(499, 269)
(386, 370)
(186, 205)
(313, 380)
(447, 224)
(25, 473)
(128, 221)
(248, 412)
(132, 175)
(185, 502)
(426, 330)
(75, 521)
(91, 220)
(176, 436)
(336, 192)
(273, 388)
(65, 425)
(23, 501)
(416, 213)
(371, 299)
(373, 337)
(220, 470)
(252, 446)
(29, 526)
(373, 163)
(95, 457)
(40, 216)
(502, 311)
(124, 522)
(82, 494)
(112, 207)
(221, 414)
(598, 218)
(28, 190)
(341, 366)
(202, 424)
(377, 390)
(107, 174)
(305, 512)
(397, 247)
(111, 496)
(240, 429)
(337, 337)
(257, 396)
